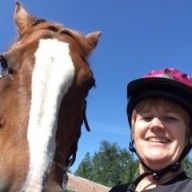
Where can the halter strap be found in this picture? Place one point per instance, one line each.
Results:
(72, 156)
(85, 117)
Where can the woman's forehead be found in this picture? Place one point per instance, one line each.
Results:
(159, 104)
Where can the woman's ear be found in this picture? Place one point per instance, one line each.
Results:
(132, 147)
(131, 144)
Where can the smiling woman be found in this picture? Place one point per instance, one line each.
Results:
(161, 127)
(160, 113)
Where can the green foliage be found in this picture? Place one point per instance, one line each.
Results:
(68, 191)
(85, 167)
(109, 166)
(187, 165)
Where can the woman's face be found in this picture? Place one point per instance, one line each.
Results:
(159, 132)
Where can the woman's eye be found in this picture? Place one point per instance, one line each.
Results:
(170, 118)
(147, 118)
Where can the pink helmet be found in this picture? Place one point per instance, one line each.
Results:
(167, 83)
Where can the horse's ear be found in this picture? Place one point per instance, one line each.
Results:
(23, 19)
(92, 38)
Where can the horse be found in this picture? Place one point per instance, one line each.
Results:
(45, 80)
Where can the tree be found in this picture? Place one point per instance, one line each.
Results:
(187, 165)
(109, 166)
(85, 167)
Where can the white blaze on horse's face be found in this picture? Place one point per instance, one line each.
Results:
(52, 76)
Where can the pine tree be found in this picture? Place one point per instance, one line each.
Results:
(187, 165)
(109, 166)
(85, 167)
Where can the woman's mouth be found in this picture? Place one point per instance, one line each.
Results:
(158, 139)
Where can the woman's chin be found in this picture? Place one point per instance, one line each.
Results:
(156, 158)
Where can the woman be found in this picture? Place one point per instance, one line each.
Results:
(160, 113)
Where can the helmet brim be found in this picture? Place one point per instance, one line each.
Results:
(170, 89)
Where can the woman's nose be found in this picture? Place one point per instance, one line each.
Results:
(157, 123)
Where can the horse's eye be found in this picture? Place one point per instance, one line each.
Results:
(3, 62)
(3, 65)
(1, 72)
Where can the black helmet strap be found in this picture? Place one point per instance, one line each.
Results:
(159, 173)
(134, 184)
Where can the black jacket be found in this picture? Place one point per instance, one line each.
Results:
(180, 183)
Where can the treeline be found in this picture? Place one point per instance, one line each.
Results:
(112, 165)
(109, 166)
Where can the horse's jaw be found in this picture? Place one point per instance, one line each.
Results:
(52, 76)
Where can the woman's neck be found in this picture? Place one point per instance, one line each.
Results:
(149, 182)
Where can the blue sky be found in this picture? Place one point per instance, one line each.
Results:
(137, 36)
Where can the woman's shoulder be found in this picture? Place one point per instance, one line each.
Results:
(184, 185)
(181, 183)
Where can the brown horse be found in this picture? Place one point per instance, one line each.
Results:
(44, 83)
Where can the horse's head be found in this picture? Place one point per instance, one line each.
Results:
(44, 83)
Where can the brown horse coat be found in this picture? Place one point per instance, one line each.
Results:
(45, 81)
